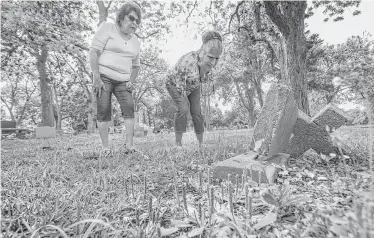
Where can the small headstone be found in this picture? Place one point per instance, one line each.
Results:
(45, 132)
(276, 121)
(253, 162)
(8, 124)
(330, 116)
(305, 135)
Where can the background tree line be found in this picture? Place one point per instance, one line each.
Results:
(46, 78)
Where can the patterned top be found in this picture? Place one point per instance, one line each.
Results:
(185, 75)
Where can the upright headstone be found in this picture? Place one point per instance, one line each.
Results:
(305, 135)
(331, 116)
(45, 132)
(7, 125)
(274, 126)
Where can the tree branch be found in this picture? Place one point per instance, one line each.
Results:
(147, 36)
(194, 6)
(235, 13)
(273, 11)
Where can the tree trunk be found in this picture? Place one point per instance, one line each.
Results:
(289, 18)
(103, 11)
(45, 90)
(149, 118)
(22, 113)
(103, 15)
(259, 94)
(251, 106)
(247, 101)
(59, 122)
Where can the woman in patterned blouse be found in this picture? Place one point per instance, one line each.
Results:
(183, 84)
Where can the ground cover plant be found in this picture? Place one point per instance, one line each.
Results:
(62, 187)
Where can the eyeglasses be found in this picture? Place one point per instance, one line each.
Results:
(133, 19)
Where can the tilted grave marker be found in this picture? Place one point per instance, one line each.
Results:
(331, 116)
(274, 125)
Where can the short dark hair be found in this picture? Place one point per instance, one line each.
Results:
(126, 9)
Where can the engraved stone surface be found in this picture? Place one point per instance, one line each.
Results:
(275, 123)
(331, 116)
(306, 134)
(45, 132)
(254, 163)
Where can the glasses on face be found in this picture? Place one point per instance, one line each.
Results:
(133, 19)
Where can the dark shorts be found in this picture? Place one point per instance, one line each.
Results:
(124, 97)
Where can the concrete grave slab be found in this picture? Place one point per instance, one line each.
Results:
(275, 123)
(253, 162)
(45, 132)
(331, 116)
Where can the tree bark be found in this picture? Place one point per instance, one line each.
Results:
(91, 101)
(289, 17)
(247, 101)
(103, 11)
(103, 15)
(21, 114)
(45, 90)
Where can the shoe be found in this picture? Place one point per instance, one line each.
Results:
(128, 151)
(105, 152)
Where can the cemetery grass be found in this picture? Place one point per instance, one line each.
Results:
(61, 188)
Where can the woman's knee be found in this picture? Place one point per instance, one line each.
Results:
(182, 109)
(128, 109)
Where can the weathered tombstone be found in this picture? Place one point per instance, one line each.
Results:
(254, 163)
(312, 132)
(274, 126)
(45, 132)
(331, 116)
(305, 135)
(7, 125)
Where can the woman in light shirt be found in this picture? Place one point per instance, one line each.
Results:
(115, 62)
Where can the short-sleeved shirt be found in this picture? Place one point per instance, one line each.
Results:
(117, 56)
(185, 75)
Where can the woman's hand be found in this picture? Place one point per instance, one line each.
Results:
(98, 84)
(129, 86)
(184, 93)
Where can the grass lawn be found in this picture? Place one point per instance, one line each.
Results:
(62, 187)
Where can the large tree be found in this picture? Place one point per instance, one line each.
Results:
(41, 28)
(285, 33)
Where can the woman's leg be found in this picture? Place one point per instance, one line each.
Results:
(197, 117)
(104, 105)
(103, 127)
(129, 126)
(126, 103)
(180, 117)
